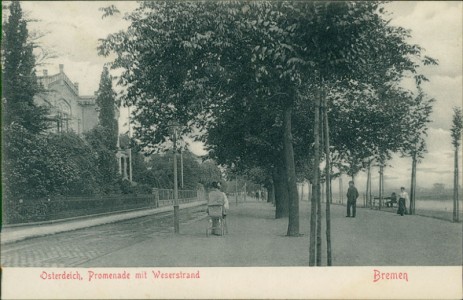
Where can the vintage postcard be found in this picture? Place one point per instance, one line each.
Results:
(232, 150)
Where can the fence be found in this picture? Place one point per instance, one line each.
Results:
(54, 208)
(166, 197)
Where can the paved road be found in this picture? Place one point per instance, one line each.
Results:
(255, 239)
(74, 248)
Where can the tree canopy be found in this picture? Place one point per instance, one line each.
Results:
(244, 75)
(19, 81)
(107, 106)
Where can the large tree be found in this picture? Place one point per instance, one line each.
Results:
(107, 106)
(19, 85)
(415, 124)
(19, 81)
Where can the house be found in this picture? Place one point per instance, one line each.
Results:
(73, 112)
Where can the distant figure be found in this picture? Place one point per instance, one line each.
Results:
(403, 202)
(257, 195)
(352, 195)
(392, 201)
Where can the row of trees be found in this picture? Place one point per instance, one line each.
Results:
(278, 86)
(157, 171)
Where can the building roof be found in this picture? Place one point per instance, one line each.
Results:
(46, 80)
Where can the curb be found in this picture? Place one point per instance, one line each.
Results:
(19, 233)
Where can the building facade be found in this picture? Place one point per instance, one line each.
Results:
(72, 111)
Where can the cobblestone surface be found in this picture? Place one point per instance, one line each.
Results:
(71, 249)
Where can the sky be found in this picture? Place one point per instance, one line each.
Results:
(73, 29)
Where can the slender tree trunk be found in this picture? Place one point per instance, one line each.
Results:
(331, 189)
(309, 191)
(281, 191)
(319, 228)
(327, 182)
(368, 183)
(381, 172)
(341, 191)
(321, 185)
(271, 192)
(301, 190)
(315, 184)
(413, 187)
(293, 222)
(370, 196)
(456, 213)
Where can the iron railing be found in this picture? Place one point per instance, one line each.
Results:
(54, 208)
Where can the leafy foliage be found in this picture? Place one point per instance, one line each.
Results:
(229, 69)
(105, 160)
(457, 127)
(56, 164)
(415, 125)
(19, 82)
(160, 173)
(107, 107)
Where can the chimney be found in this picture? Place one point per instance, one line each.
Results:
(61, 68)
(76, 84)
(45, 72)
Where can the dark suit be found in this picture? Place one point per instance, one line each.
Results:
(352, 195)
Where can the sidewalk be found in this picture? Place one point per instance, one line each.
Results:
(18, 233)
(256, 239)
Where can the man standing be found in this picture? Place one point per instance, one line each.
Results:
(352, 195)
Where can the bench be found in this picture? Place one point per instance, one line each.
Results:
(384, 202)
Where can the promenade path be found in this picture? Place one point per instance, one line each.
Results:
(373, 238)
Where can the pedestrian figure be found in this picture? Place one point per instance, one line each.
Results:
(217, 197)
(352, 195)
(403, 202)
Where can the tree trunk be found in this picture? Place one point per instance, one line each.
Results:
(381, 188)
(293, 222)
(309, 191)
(413, 187)
(341, 191)
(321, 185)
(301, 192)
(271, 192)
(456, 213)
(369, 200)
(319, 228)
(327, 182)
(281, 191)
(315, 184)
